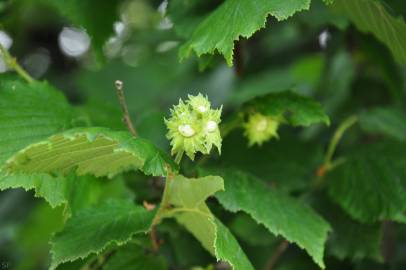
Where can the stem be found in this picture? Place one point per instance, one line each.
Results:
(282, 247)
(124, 109)
(179, 156)
(162, 208)
(11, 63)
(338, 134)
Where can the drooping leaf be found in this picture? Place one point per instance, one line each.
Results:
(132, 257)
(29, 113)
(234, 19)
(297, 110)
(371, 184)
(96, 151)
(76, 192)
(387, 121)
(187, 196)
(279, 213)
(52, 189)
(93, 229)
(371, 16)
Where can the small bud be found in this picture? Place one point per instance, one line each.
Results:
(260, 128)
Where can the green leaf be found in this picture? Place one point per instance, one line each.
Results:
(187, 196)
(351, 239)
(52, 189)
(76, 192)
(93, 229)
(279, 213)
(387, 121)
(297, 110)
(371, 16)
(132, 257)
(29, 113)
(371, 184)
(234, 19)
(97, 151)
(96, 17)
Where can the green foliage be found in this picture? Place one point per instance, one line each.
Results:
(371, 16)
(87, 180)
(387, 121)
(99, 25)
(290, 107)
(234, 19)
(26, 115)
(97, 151)
(369, 185)
(131, 257)
(280, 214)
(187, 196)
(93, 229)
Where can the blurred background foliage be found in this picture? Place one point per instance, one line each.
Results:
(317, 53)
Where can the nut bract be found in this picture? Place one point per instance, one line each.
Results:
(194, 127)
(260, 128)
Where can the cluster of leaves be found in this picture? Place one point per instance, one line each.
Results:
(309, 199)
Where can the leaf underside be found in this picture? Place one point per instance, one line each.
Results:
(96, 151)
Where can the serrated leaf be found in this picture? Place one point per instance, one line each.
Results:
(371, 184)
(353, 240)
(387, 121)
(132, 257)
(297, 110)
(93, 229)
(187, 196)
(75, 192)
(371, 16)
(349, 238)
(29, 113)
(96, 151)
(279, 213)
(234, 19)
(52, 189)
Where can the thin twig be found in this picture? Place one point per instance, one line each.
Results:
(282, 247)
(12, 63)
(124, 109)
(338, 134)
(154, 239)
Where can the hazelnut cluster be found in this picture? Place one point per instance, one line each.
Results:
(194, 127)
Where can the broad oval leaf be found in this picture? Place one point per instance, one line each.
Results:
(371, 16)
(279, 213)
(30, 113)
(297, 110)
(187, 198)
(96, 151)
(93, 229)
(371, 184)
(234, 19)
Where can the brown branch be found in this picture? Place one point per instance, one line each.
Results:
(124, 109)
(154, 240)
(278, 253)
(238, 58)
